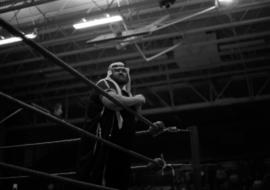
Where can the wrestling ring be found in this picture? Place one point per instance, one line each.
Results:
(159, 163)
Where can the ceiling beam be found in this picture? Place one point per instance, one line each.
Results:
(21, 4)
(86, 36)
(77, 85)
(210, 28)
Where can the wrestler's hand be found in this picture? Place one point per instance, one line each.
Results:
(158, 165)
(140, 98)
(159, 128)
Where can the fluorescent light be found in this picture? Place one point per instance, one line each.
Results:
(31, 36)
(97, 22)
(16, 39)
(226, 2)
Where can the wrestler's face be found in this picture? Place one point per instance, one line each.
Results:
(120, 75)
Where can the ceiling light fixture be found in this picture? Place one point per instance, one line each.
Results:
(96, 22)
(226, 2)
(10, 40)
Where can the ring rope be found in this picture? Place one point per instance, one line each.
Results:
(40, 143)
(26, 176)
(54, 177)
(84, 132)
(49, 55)
(10, 115)
(64, 141)
(139, 167)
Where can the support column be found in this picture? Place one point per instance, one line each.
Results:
(195, 157)
(2, 142)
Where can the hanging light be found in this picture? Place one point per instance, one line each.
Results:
(14, 39)
(226, 2)
(96, 22)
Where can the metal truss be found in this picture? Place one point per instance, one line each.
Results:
(7, 6)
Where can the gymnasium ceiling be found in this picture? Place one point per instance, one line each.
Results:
(222, 58)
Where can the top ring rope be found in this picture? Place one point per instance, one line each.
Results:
(49, 55)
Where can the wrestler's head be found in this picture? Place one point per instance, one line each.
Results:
(119, 73)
